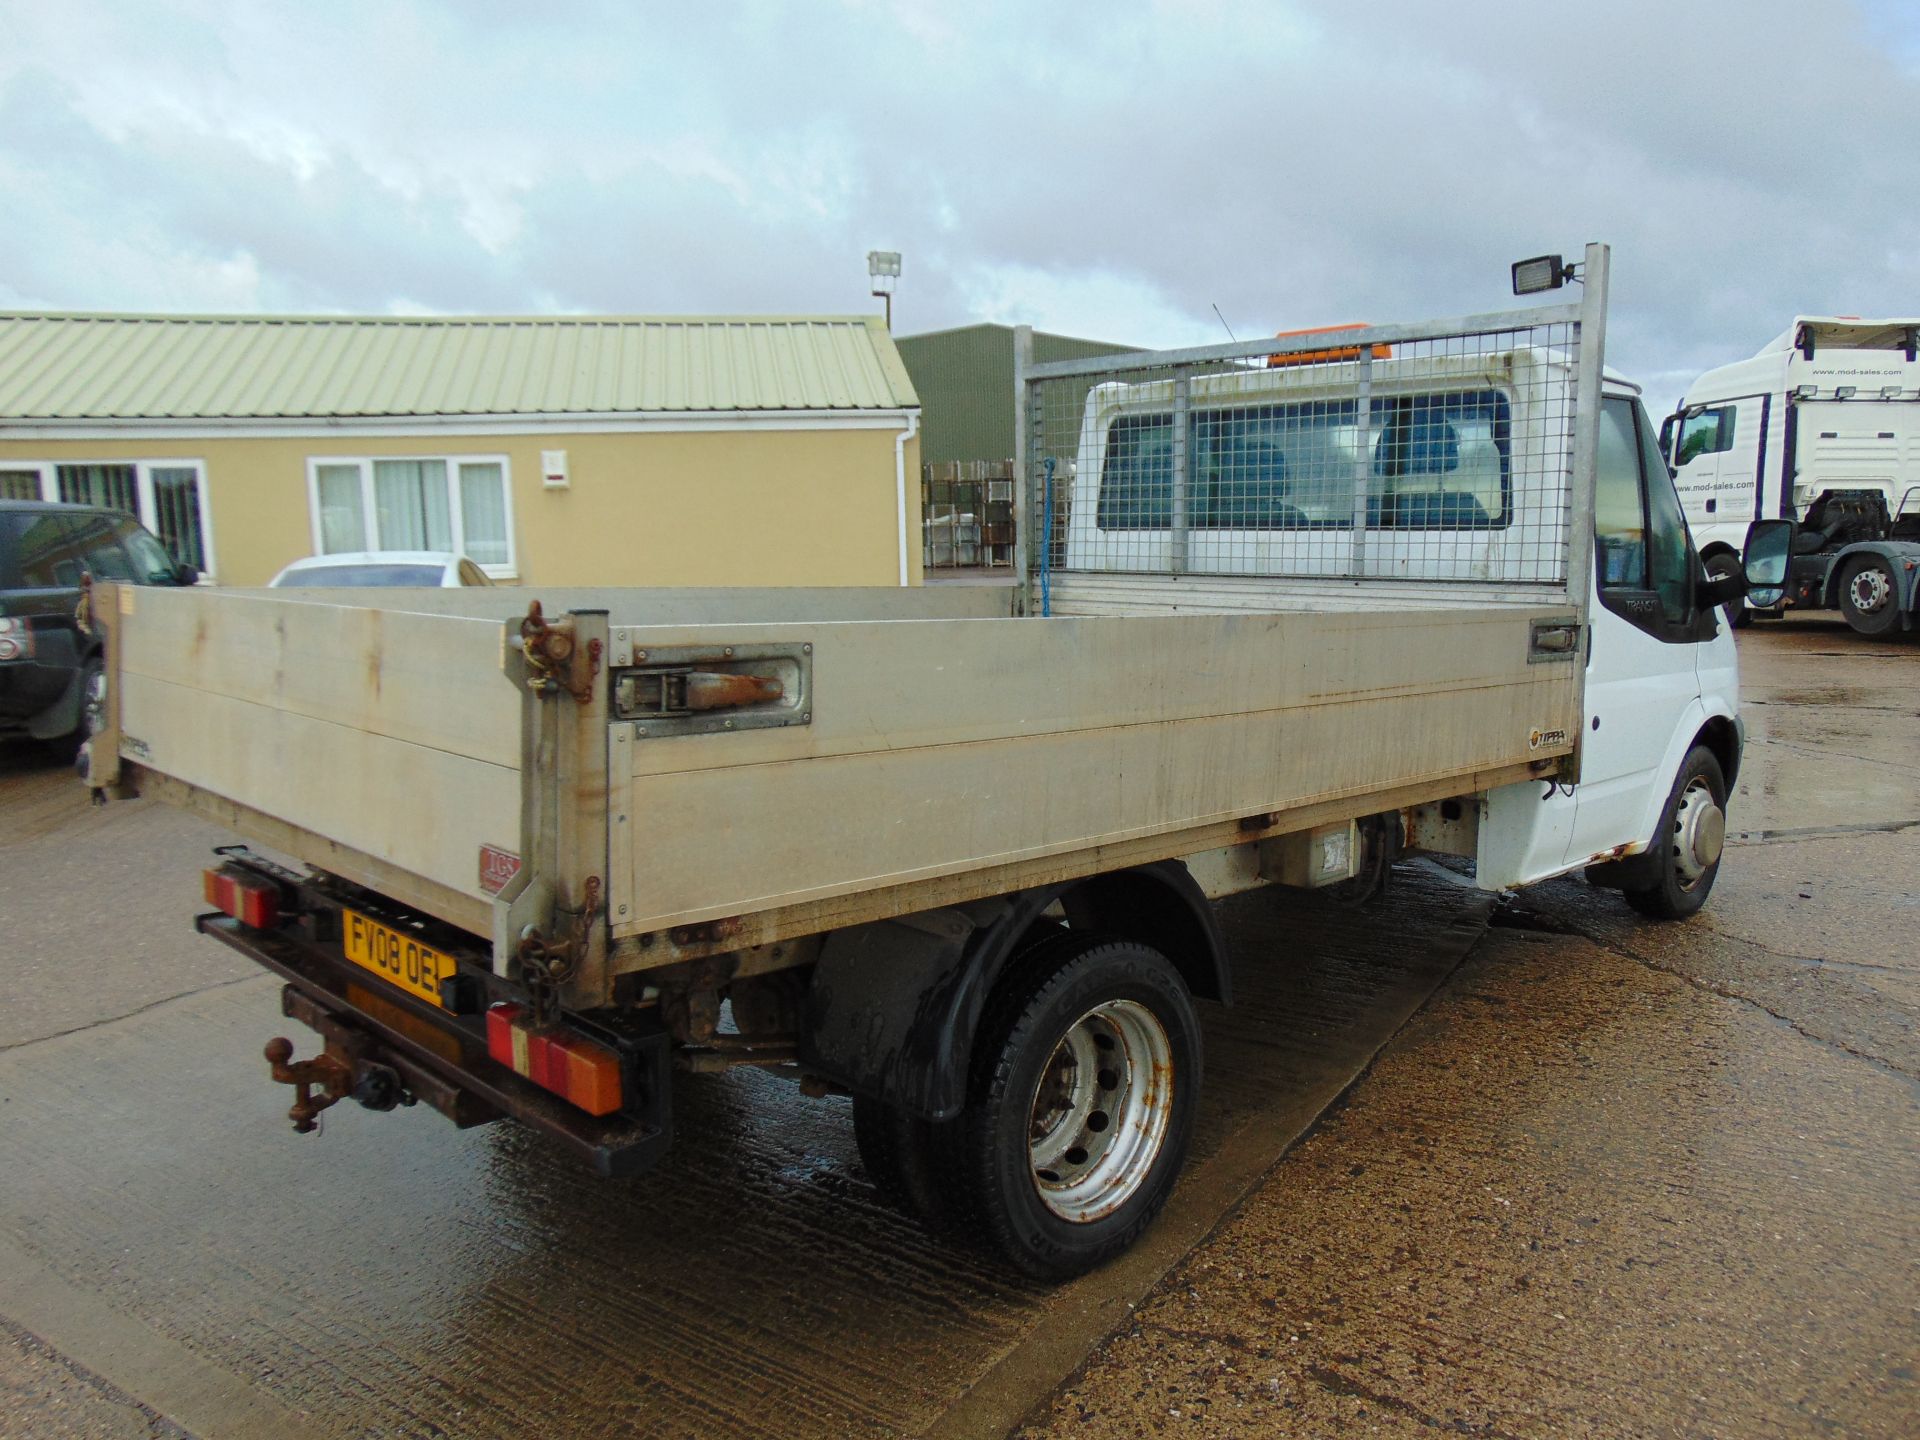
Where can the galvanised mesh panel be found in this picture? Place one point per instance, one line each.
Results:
(1404, 453)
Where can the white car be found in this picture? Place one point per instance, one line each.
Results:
(371, 568)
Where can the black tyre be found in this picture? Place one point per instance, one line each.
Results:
(1720, 565)
(1084, 1085)
(1870, 596)
(1686, 849)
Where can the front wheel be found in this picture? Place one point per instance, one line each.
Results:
(1870, 596)
(1083, 1091)
(1686, 849)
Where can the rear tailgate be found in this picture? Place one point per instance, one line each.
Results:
(376, 744)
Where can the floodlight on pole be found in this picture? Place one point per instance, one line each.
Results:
(883, 266)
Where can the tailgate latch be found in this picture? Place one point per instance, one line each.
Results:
(1549, 640)
(678, 691)
(695, 690)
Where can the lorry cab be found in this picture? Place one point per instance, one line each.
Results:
(1821, 427)
(1662, 682)
(1272, 479)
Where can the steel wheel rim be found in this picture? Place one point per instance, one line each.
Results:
(1699, 832)
(1870, 589)
(1101, 1109)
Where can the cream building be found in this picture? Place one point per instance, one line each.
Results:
(620, 450)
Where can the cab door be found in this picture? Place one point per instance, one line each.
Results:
(1643, 683)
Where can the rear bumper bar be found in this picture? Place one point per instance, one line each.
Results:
(442, 1058)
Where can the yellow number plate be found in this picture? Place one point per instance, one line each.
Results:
(415, 968)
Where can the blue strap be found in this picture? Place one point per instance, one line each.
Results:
(1046, 540)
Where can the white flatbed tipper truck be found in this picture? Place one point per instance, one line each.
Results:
(1287, 612)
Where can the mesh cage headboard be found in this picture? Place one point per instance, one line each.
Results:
(1441, 456)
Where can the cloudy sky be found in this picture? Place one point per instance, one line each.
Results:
(1113, 170)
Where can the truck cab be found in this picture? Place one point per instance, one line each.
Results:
(1821, 427)
(1272, 484)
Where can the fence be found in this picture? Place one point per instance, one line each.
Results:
(967, 510)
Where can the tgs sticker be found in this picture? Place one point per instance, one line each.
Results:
(1536, 739)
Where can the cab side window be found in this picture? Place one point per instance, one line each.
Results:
(1708, 433)
(1670, 549)
(1619, 512)
(1645, 562)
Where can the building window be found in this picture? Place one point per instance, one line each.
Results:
(167, 496)
(416, 502)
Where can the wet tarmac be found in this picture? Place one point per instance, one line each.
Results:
(396, 1276)
(1612, 1179)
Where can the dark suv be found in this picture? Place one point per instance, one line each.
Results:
(50, 670)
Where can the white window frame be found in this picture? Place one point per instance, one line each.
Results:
(369, 510)
(49, 471)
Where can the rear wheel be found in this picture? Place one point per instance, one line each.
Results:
(1870, 595)
(1686, 848)
(1084, 1085)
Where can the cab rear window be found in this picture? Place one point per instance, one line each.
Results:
(1438, 461)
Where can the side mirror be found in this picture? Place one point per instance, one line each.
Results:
(1763, 568)
(1666, 437)
(185, 574)
(1766, 558)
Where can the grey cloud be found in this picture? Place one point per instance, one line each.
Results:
(1324, 163)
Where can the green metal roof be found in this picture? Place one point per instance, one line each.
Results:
(208, 367)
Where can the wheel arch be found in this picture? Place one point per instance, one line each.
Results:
(1721, 735)
(893, 1006)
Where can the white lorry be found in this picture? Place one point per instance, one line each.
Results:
(1287, 613)
(1822, 427)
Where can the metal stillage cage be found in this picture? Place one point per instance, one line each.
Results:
(1443, 457)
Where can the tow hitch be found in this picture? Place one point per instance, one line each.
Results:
(330, 1075)
(351, 1067)
(374, 1085)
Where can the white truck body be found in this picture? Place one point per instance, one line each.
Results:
(1822, 427)
(1767, 436)
(854, 812)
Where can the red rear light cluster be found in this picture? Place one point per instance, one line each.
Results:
(577, 1069)
(248, 898)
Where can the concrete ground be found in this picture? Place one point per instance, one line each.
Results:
(1603, 1178)
(1615, 1179)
